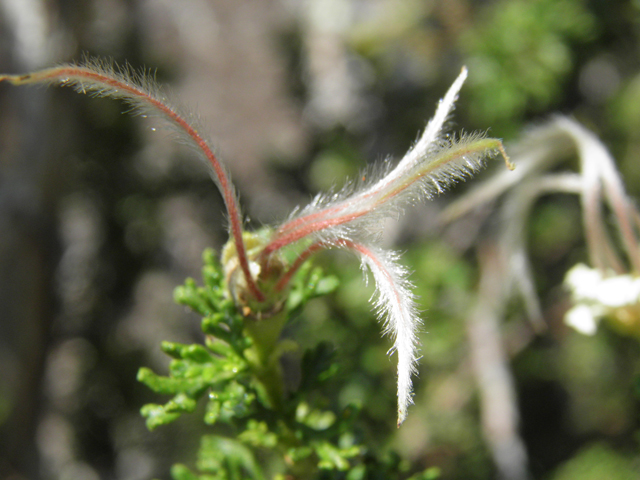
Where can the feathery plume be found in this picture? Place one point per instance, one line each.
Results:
(257, 275)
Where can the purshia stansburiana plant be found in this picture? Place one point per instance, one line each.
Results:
(263, 276)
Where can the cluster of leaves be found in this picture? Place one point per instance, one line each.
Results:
(298, 437)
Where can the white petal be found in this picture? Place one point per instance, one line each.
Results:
(618, 291)
(581, 318)
(584, 282)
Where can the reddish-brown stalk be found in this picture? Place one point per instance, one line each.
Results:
(301, 227)
(65, 72)
(303, 257)
(361, 249)
(342, 242)
(294, 224)
(308, 229)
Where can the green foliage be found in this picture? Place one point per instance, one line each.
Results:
(266, 431)
(595, 462)
(195, 369)
(521, 57)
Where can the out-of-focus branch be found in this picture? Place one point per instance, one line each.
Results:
(498, 406)
(515, 215)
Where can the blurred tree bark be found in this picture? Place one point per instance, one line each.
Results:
(29, 191)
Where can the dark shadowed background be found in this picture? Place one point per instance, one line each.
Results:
(102, 215)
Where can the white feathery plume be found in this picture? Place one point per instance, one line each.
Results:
(394, 303)
(434, 163)
(433, 131)
(350, 219)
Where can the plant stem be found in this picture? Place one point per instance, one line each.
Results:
(94, 77)
(266, 357)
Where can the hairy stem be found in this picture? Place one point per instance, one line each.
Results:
(94, 78)
(381, 194)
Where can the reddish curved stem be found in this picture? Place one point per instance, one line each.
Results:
(69, 74)
(303, 257)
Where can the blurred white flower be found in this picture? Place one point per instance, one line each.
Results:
(582, 318)
(596, 296)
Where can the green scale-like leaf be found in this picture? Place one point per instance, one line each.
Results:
(218, 366)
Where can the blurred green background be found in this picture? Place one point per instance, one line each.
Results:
(101, 216)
